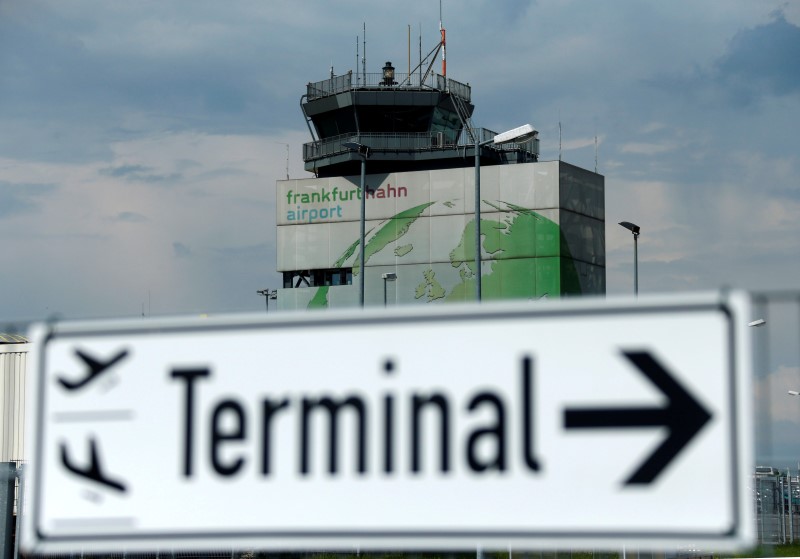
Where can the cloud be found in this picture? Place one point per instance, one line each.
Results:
(180, 250)
(128, 97)
(759, 62)
(124, 170)
(19, 198)
(762, 61)
(78, 78)
(139, 173)
(646, 148)
(130, 217)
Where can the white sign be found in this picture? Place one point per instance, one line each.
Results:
(572, 424)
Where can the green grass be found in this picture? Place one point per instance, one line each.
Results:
(785, 550)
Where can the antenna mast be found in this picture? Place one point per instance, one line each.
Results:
(595, 153)
(287, 158)
(420, 54)
(444, 42)
(559, 134)
(364, 56)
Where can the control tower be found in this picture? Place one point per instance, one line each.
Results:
(421, 226)
(410, 122)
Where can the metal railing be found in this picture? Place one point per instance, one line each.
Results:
(375, 81)
(407, 142)
(777, 520)
(776, 348)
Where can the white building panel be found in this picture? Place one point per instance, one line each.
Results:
(13, 363)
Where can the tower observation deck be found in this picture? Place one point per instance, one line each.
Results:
(409, 122)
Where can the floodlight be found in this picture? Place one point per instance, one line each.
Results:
(632, 227)
(355, 146)
(519, 135)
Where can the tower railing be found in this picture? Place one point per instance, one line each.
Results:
(407, 142)
(376, 81)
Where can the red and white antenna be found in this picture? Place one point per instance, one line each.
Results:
(444, 41)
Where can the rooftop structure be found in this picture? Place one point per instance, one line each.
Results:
(410, 122)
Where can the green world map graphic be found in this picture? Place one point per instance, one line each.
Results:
(508, 248)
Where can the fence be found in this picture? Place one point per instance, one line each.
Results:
(777, 503)
(350, 81)
(406, 142)
(776, 491)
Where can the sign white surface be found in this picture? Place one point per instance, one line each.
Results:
(572, 424)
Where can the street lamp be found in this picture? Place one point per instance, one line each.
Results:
(519, 135)
(362, 151)
(268, 294)
(757, 323)
(388, 276)
(633, 228)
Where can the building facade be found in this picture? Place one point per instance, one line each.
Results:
(542, 223)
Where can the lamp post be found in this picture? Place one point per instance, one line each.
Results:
(388, 276)
(362, 151)
(519, 135)
(633, 228)
(268, 294)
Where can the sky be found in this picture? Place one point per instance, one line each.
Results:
(140, 141)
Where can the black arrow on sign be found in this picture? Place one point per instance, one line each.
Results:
(683, 416)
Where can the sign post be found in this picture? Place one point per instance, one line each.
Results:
(574, 424)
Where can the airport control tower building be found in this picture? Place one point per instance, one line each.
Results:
(542, 224)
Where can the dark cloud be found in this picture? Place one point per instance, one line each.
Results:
(125, 170)
(507, 13)
(759, 64)
(762, 61)
(72, 80)
(18, 198)
(223, 173)
(130, 217)
(139, 173)
(180, 250)
(243, 252)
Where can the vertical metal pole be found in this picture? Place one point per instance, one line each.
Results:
(763, 511)
(384, 292)
(362, 234)
(7, 477)
(266, 298)
(791, 511)
(20, 511)
(798, 481)
(477, 218)
(783, 514)
(636, 264)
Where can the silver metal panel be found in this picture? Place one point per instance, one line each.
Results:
(13, 363)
